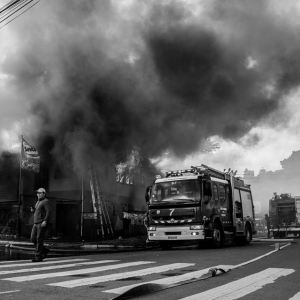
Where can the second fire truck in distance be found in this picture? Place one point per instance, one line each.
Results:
(200, 203)
(284, 213)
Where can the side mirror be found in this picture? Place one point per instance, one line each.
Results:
(147, 194)
(207, 191)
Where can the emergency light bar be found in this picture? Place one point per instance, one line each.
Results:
(179, 172)
(204, 170)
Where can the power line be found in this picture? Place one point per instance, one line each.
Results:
(7, 6)
(14, 7)
(10, 11)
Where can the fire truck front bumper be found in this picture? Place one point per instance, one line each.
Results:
(193, 232)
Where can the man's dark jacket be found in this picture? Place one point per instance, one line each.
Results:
(42, 211)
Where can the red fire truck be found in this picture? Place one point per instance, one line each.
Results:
(284, 213)
(200, 203)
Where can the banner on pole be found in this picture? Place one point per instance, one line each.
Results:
(30, 158)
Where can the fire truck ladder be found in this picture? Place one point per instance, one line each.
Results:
(99, 204)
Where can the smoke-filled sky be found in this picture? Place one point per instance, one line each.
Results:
(93, 79)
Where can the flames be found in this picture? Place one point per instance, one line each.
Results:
(132, 165)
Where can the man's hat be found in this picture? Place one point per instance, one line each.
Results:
(41, 190)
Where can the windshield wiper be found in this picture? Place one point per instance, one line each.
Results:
(185, 200)
(161, 202)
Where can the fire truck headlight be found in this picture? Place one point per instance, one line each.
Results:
(152, 228)
(196, 227)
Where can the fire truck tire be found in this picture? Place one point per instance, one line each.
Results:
(248, 235)
(217, 236)
(166, 245)
(244, 240)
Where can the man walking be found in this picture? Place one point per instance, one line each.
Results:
(268, 223)
(41, 219)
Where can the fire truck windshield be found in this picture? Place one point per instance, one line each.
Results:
(177, 191)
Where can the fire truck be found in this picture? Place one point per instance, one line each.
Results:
(200, 204)
(284, 214)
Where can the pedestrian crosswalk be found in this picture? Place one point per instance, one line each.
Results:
(105, 278)
(242, 287)
(77, 271)
(59, 273)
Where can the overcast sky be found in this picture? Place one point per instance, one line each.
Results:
(161, 75)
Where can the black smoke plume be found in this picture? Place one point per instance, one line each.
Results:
(101, 77)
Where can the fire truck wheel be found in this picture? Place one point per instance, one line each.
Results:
(248, 235)
(244, 240)
(166, 245)
(217, 238)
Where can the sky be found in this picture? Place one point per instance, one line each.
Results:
(95, 79)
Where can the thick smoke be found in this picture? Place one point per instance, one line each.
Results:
(93, 79)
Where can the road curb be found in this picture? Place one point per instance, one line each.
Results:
(74, 251)
(83, 249)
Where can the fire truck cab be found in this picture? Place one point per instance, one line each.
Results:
(200, 203)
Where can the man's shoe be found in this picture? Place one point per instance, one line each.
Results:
(46, 251)
(36, 259)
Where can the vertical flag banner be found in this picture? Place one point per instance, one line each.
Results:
(30, 158)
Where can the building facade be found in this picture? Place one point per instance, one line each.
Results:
(73, 210)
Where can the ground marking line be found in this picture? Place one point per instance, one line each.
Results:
(167, 281)
(259, 257)
(296, 297)
(43, 263)
(77, 272)
(111, 277)
(242, 287)
(10, 292)
(23, 260)
(289, 244)
(56, 267)
(11, 261)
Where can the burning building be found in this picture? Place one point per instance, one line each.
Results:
(87, 81)
(73, 211)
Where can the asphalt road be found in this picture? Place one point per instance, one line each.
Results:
(257, 272)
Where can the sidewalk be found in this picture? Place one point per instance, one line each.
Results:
(82, 246)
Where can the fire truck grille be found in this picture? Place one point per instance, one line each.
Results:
(173, 233)
(171, 218)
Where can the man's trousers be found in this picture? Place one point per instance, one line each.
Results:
(37, 238)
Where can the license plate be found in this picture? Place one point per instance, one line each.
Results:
(172, 237)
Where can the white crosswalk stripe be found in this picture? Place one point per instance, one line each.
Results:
(42, 263)
(296, 297)
(77, 272)
(55, 267)
(9, 292)
(94, 280)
